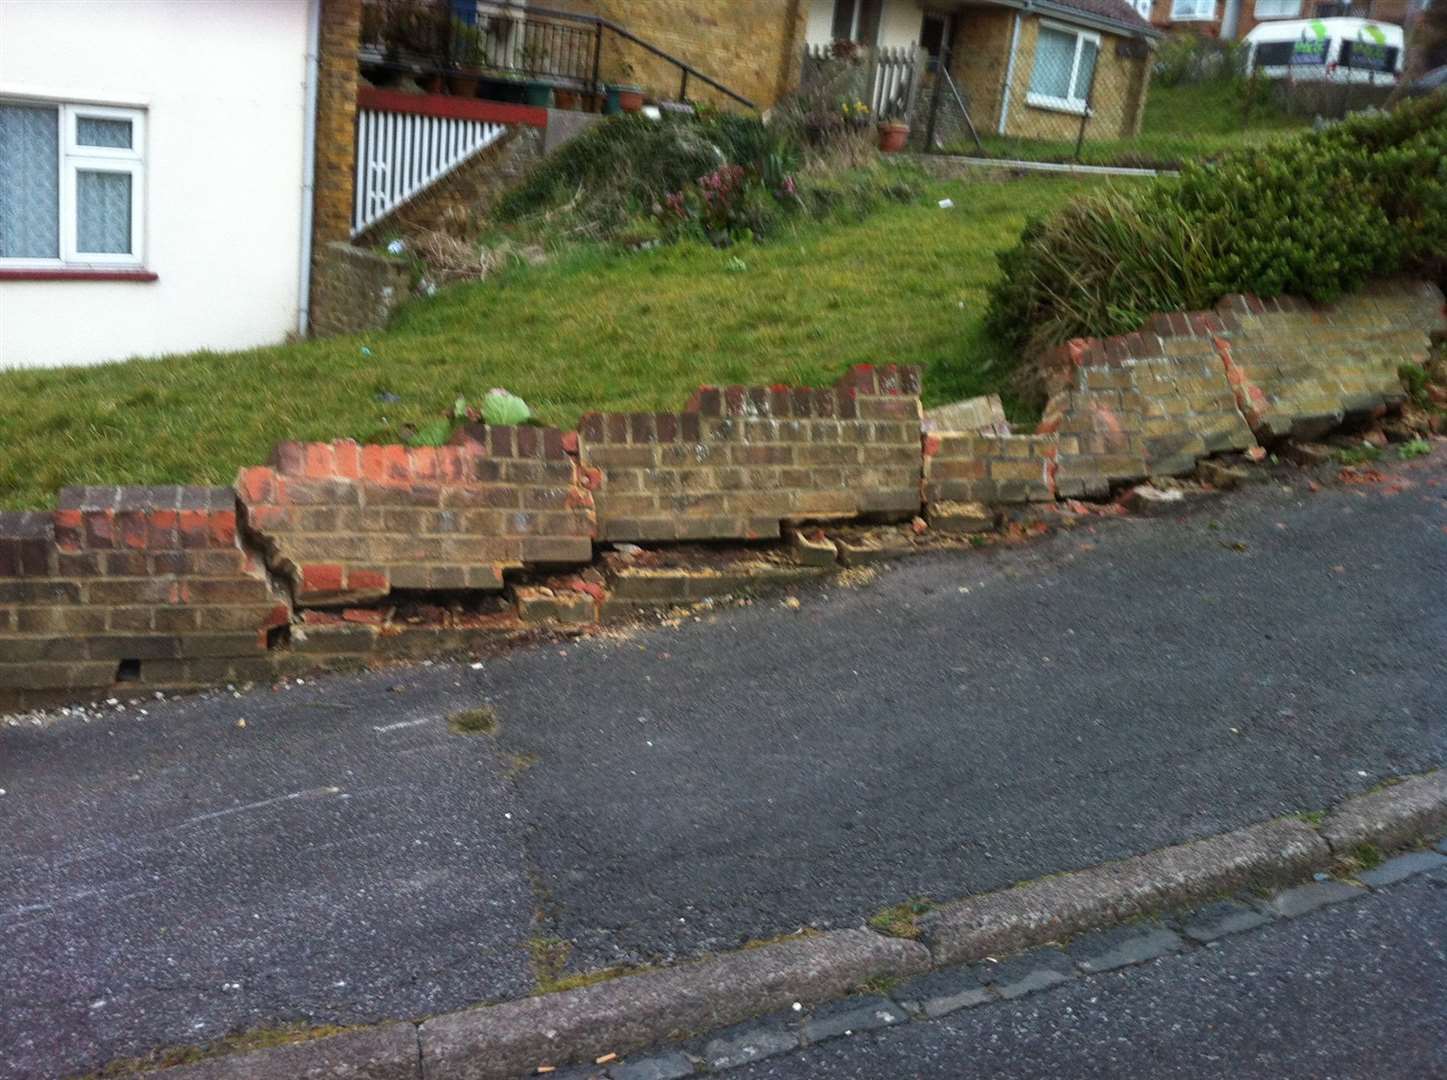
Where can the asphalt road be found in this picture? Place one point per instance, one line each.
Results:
(1356, 992)
(965, 721)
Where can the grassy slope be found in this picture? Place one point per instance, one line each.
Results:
(1179, 122)
(592, 330)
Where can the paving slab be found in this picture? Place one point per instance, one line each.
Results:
(748, 1042)
(1221, 919)
(942, 992)
(670, 1066)
(1027, 972)
(848, 1015)
(1402, 867)
(1122, 946)
(1306, 898)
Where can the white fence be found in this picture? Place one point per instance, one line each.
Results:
(401, 154)
(886, 78)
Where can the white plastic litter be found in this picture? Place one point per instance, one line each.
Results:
(947, 204)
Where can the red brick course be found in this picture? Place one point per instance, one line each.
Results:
(150, 583)
(347, 524)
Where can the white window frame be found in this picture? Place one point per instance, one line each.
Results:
(1076, 106)
(73, 158)
(1192, 10)
(1262, 16)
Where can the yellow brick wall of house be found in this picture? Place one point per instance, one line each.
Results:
(978, 60)
(1118, 100)
(336, 143)
(754, 47)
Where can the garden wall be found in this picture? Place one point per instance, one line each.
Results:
(340, 553)
(141, 585)
(739, 461)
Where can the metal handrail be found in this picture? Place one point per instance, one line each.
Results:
(687, 70)
(623, 32)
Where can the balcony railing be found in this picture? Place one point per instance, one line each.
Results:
(446, 38)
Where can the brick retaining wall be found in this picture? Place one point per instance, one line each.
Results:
(739, 461)
(349, 524)
(337, 553)
(147, 584)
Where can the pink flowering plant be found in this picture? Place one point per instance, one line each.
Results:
(731, 203)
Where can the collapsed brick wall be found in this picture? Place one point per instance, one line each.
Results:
(148, 584)
(1191, 384)
(989, 468)
(348, 524)
(739, 461)
(1143, 405)
(341, 552)
(1298, 370)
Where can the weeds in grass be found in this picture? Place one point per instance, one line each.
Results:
(479, 721)
(1367, 856)
(237, 1043)
(1414, 449)
(902, 920)
(1359, 455)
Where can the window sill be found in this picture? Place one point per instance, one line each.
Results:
(1060, 105)
(74, 274)
(1193, 18)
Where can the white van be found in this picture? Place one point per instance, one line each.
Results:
(1326, 50)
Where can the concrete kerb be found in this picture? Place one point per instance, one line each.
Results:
(1391, 817)
(1010, 920)
(637, 1011)
(629, 1014)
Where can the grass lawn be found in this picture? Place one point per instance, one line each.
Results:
(592, 329)
(1179, 122)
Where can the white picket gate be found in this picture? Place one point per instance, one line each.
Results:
(399, 154)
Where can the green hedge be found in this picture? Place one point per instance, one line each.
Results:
(1313, 216)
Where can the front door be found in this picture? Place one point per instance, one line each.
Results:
(935, 34)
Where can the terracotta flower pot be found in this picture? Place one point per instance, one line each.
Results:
(893, 137)
(462, 83)
(565, 99)
(630, 98)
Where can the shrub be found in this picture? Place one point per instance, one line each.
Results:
(1313, 217)
(1184, 59)
(628, 164)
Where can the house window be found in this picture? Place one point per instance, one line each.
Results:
(1193, 10)
(1064, 68)
(856, 20)
(1278, 9)
(1143, 9)
(71, 184)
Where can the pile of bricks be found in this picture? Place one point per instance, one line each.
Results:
(337, 553)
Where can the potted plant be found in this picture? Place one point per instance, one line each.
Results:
(535, 62)
(626, 96)
(467, 57)
(893, 136)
